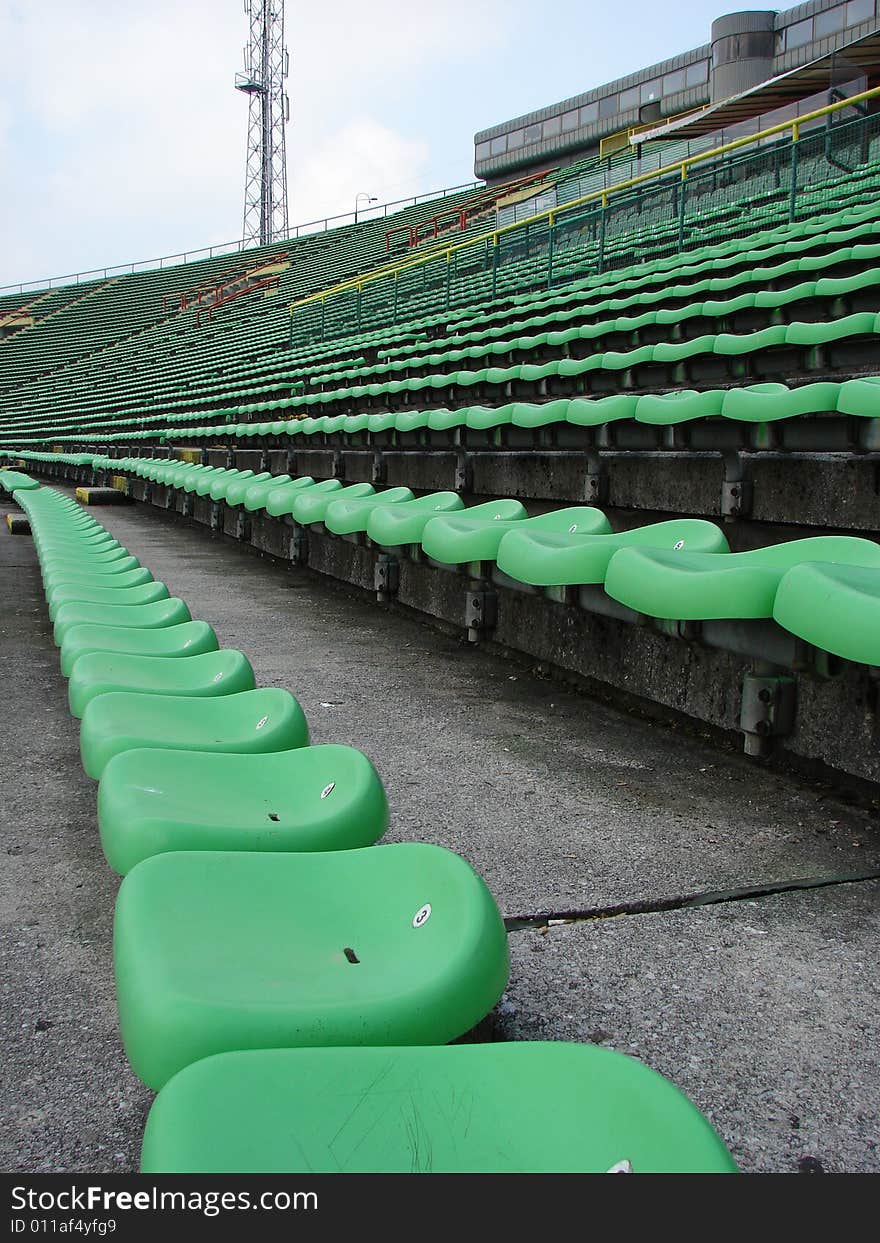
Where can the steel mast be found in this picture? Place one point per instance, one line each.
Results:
(266, 64)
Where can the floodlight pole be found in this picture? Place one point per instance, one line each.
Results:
(266, 65)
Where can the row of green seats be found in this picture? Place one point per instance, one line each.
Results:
(825, 590)
(807, 336)
(768, 301)
(765, 402)
(249, 961)
(691, 281)
(686, 265)
(765, 298)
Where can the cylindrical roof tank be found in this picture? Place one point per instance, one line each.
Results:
(743, 50)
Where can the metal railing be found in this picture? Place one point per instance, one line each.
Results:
(383, 295)
(232, 248)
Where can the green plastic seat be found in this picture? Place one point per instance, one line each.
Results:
(197, 480)
(404, 523)
(94, 539)
(833, 607)
(168, 612)
(269, 719)
(680, 406)
(348, 515)
(79, 555)
(553, 559)
(146, 593)
(860, 398)
(216, 951)
(508, 1108)
(235, 492)
(61, 584)
(256, 495)
(456, 540)
(313, 798)
(765, 403)
(221, 483)
(280, 500)
(15, 481)
(311, 505)
(700, 586)
(58, 569)
(190, 638)
(202, 485)
(222, 672)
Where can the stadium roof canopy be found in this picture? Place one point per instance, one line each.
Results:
(859, 57)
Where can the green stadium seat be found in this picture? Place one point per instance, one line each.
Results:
(190, 638)
(257, 494)
(554, 558)
(280, 500)
(219, 951)
(313, 798)
(168, 612)
(145, 593)
(235, 492)
(249, 723)
(222, 672)
(90, 581)
(397, 525)
(346, 516)
(699, 586)
(505, 1108)
(310, 505)
(477, 534)
(57, 568)
(221, 482)
(833, 607)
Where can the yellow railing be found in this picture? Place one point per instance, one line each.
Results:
(681, 166)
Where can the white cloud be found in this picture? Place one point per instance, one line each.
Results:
(121, 136)
(363, 156)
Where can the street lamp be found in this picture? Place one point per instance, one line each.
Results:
(362, 195)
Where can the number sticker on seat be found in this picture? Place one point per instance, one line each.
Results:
(422, 915)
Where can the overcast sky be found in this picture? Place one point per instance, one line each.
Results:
(122, 138)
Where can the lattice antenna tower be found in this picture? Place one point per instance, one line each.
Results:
(266, 65)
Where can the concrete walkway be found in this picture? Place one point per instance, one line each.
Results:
(761, 1009)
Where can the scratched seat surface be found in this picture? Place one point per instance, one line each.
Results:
(220, 951)
(268, 719)
(516, 1107)
(312, 798)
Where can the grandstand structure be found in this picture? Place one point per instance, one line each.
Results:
(625, 427)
